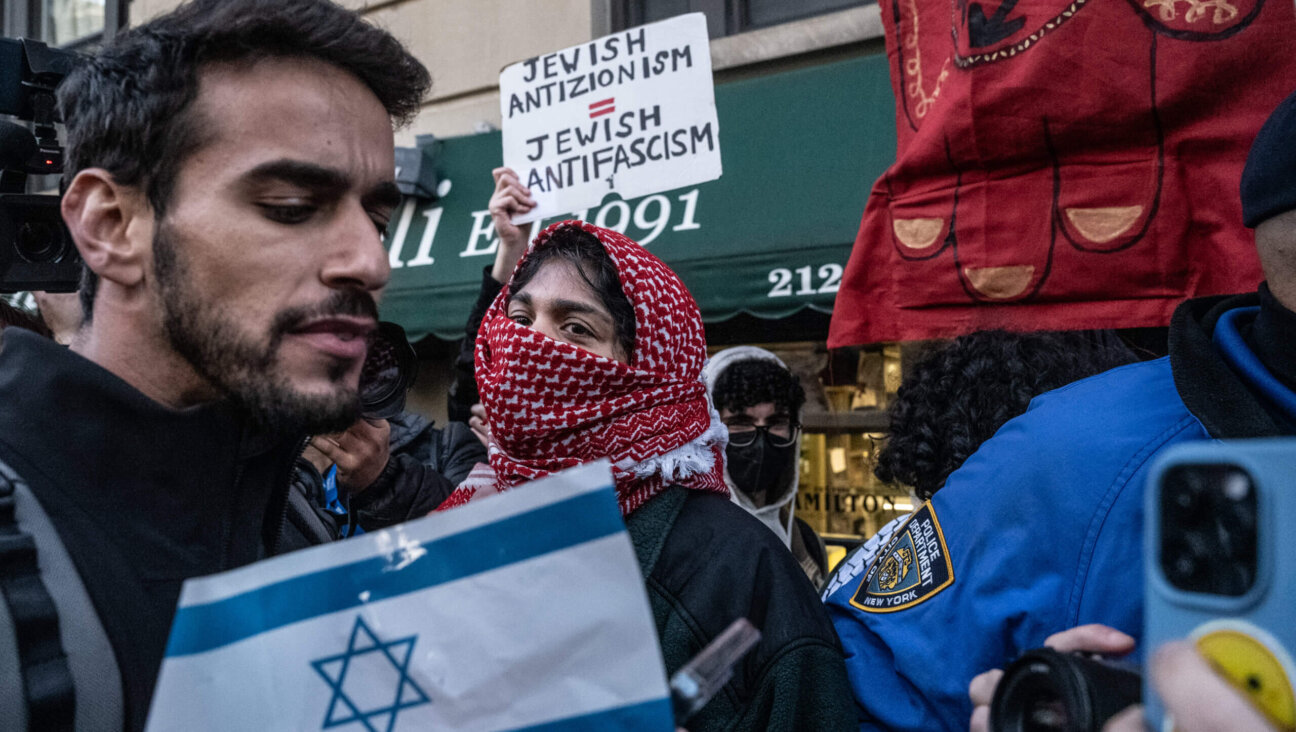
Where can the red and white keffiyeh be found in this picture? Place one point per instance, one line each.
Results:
(553, 406)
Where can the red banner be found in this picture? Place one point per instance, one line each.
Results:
(1063, 164)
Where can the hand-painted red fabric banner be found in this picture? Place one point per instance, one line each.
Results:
(1063, 164)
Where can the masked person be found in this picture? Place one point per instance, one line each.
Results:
(759, 401)
(594, 349)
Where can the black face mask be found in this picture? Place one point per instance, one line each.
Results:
(762, 466)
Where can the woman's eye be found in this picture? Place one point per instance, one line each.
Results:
(287, 214)
(580, 330)
(520, 319)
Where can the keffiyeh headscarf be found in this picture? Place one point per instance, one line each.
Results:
(552, 405)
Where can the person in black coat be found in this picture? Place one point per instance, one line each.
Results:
(388, 472)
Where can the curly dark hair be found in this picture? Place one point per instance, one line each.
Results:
(753, 381)
(960, 394)
(129, 108)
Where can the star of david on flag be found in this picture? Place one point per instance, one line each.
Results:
(532, 596)
(380, 685)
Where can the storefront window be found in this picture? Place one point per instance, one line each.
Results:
(63, 22)
(838, 495)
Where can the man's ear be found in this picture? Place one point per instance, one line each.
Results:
(112, 225)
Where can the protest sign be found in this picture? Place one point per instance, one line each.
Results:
(631, 113)
(524, 611)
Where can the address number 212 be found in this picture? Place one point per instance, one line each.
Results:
(783, 279)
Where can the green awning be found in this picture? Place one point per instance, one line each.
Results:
(770, 237)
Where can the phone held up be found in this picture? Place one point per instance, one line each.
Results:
(1219, 570)
(1221, 567)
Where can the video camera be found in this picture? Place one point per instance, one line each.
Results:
(36, 250)
(388, 373)
(1220, 570)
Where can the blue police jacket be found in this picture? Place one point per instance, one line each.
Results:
(1039, 531)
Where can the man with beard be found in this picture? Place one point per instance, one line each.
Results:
(229, 178)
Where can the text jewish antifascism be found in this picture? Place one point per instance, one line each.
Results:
(631, 138)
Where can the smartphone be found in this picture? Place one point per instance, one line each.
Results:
(1220, 566)
(706, 673)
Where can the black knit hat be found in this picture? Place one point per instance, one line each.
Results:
(1269, 178)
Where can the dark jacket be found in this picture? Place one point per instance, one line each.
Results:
(706, 563)
(142, 496)
(453, 450)
(463, 390)
(1039, 531)
(424, 466)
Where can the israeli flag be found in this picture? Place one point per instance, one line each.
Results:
(523, 611)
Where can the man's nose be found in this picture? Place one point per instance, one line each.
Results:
(357, 257)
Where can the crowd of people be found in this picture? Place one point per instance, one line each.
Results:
(228, 182)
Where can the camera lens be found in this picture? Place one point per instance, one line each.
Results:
(1185, 565)
(381, 373)
(388, 372)
(1208, 529)
(1048, 691)
(1187, 496)
(1046, 713)
(40, 241)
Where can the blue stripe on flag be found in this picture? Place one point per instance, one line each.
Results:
(589, 516)
(650, 715)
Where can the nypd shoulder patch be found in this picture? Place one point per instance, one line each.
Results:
(912, 569)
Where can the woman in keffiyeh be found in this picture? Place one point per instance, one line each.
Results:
(594, 349)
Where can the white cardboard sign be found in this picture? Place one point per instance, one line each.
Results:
(631, 113)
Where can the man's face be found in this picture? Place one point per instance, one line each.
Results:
(269, 256)
(761, 465)
(742, 424)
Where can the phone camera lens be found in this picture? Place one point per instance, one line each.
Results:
(1234, 578)
(1188, 498)
(1184, 567)
(1208, 529)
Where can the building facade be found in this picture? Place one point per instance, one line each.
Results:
(806, 120)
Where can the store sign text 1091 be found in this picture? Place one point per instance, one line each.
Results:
(644, 220)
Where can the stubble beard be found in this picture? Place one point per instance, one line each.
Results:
(249, 373)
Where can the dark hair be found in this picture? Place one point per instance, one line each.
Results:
(959, 395)
(583, 250)
(753, 381)
(127, 109)
(11, 316)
